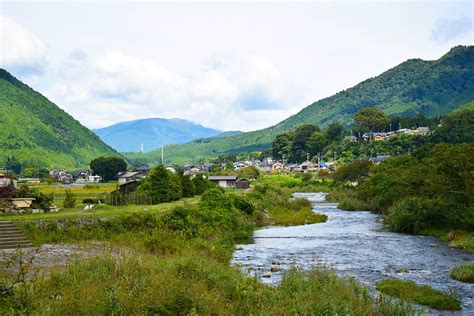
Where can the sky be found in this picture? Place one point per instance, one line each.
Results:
(227, 65)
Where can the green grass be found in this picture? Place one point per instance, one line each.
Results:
(102, 211)
(460, 239)
(419, 294)
(463, 273)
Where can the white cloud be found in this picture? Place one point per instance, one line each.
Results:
(449, 29)
(20, 50)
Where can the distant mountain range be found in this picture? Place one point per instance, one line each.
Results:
(415, 86)
(35, 130)
(153, 133)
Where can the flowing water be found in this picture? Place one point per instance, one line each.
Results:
(354, 244)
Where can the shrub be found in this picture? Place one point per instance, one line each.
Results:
(69, 200)
(463, 273)
(243, 204)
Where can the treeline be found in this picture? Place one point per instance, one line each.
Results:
(431, 188)
(308, 141)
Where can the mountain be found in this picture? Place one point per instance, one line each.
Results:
(36, 131)
(415, 86)
(153, 133)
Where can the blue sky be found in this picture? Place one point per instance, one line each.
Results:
(230, 66)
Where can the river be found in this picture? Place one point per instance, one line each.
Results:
(354, 244)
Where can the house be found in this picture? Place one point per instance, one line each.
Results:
(62, 176)
(422, 131)
(5, 181)
(224, 181)
(94, 179)
(379, 159)
(129, 176)
(191, 170)
(351, 139)
(277, 166)
(239, 165)
(143, 169)
(379, 136)
(171, 169)
(242, 184)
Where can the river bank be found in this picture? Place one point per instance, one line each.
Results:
(354, 244)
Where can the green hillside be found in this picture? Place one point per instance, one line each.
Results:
(415, 86)
(37, 132)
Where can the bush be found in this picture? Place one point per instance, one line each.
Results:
(463, 273)
(243, 204)
(69, 200)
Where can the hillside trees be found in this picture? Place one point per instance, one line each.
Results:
(302, 135)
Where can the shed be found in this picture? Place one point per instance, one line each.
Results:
(224, 181)
(242, 184)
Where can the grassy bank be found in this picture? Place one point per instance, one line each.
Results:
(419, 294)
(177, 262)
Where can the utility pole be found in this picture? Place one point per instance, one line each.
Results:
(307, 157)
(162, 156)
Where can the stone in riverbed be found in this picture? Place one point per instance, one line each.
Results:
(274, 269)
(267, 275)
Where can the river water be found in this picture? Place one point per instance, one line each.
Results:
(354, 244)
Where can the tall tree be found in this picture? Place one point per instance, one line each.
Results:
(316, 143)
(108, 167)
(370, 119)
(281, 146)
(301, 136)
(334, 132)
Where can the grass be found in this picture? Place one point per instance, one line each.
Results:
(156, 269)
(102, 211)
(463, 273)
(460, 239)
(419, 294)
(86, 191)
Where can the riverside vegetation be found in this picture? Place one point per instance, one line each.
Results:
(177, 262)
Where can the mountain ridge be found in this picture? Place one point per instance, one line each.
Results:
(154, 132)
(36, 131)
(415, 86)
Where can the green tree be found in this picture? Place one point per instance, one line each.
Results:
(316, 143)
(69, 200)
(249, 172)
(301, 136)
(357, 170)
(108, 167)
(334, 132)
(370, 119)
(161, 185)
(201, 184)
(281, 145)
(187, 186)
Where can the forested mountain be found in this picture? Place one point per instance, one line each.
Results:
(153, 133)
(36, 132)
(415, 86)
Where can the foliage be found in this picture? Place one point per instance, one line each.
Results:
(458, 127)
(250, 172)
(108, 167)
(463, 273)
(37, 132)
(69, 200)
(299, 148)
(419, 294)
(416, 86)
(370, 120)
(41, 200)
(201, 184)
(187, 186)
(161, 185)
(355, 171)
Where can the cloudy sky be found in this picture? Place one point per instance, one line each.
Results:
(230, 66)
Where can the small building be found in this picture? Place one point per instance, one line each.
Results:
(128, 187)
(243, 184)
(143, 169)
(171, 169)
(422, 131)
(29, 180)
(5, 181)
(224, 181)
(379, 159)
(94, 179)
(128, 177)
(351, 139)
(21, 202)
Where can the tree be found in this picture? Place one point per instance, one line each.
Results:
(370, 119)
(249, 172)
(201, 184)
(301, 137)
(161, 185)
(281, 145)
(108, 167)
(316, 143)
(13, 165)
(69, 200)
(357, 170)
(334, 132)
(187, 186)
